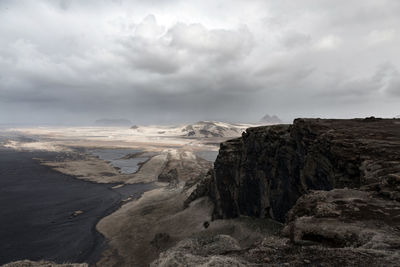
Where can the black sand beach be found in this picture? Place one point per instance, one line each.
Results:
(37, 206)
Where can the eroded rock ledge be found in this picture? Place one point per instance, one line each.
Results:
(264, 172)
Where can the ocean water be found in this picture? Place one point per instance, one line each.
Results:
(37, 206)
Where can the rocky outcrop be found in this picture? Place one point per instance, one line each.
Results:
(275, 251)
(170, 176)
(201, 252)
(345, 218)
(202, 186)
(223, 250)
(264, 172)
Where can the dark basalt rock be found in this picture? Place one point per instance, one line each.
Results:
(168, 177)
(264, 172)
(344, 218)
(203, 187)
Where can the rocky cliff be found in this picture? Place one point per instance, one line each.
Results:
(334, 183)
(264, 172)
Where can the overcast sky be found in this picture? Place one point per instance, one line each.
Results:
(168, 61)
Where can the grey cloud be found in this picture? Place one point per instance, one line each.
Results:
(88, 59)
(393, 86)
(64, 4)
(388, 77)
(295, 39)
(152, 48)
(222, 43)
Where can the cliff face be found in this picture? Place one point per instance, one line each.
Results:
(335, 184)
(264, 172)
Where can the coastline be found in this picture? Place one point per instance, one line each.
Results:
(180, 161)
(47, 228)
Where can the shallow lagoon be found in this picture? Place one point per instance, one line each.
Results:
(121, 158)
(208, 155)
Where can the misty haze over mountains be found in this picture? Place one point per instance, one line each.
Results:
(113, 122)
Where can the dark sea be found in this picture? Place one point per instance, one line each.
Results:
(37, 206)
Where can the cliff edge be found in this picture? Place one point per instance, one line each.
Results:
(334, 184)
(264, 172)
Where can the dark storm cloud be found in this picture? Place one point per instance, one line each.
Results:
(168, 61)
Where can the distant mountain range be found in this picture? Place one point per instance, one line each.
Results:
(267, 119)
(201, 129)
(214, 129)
(113, 122)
